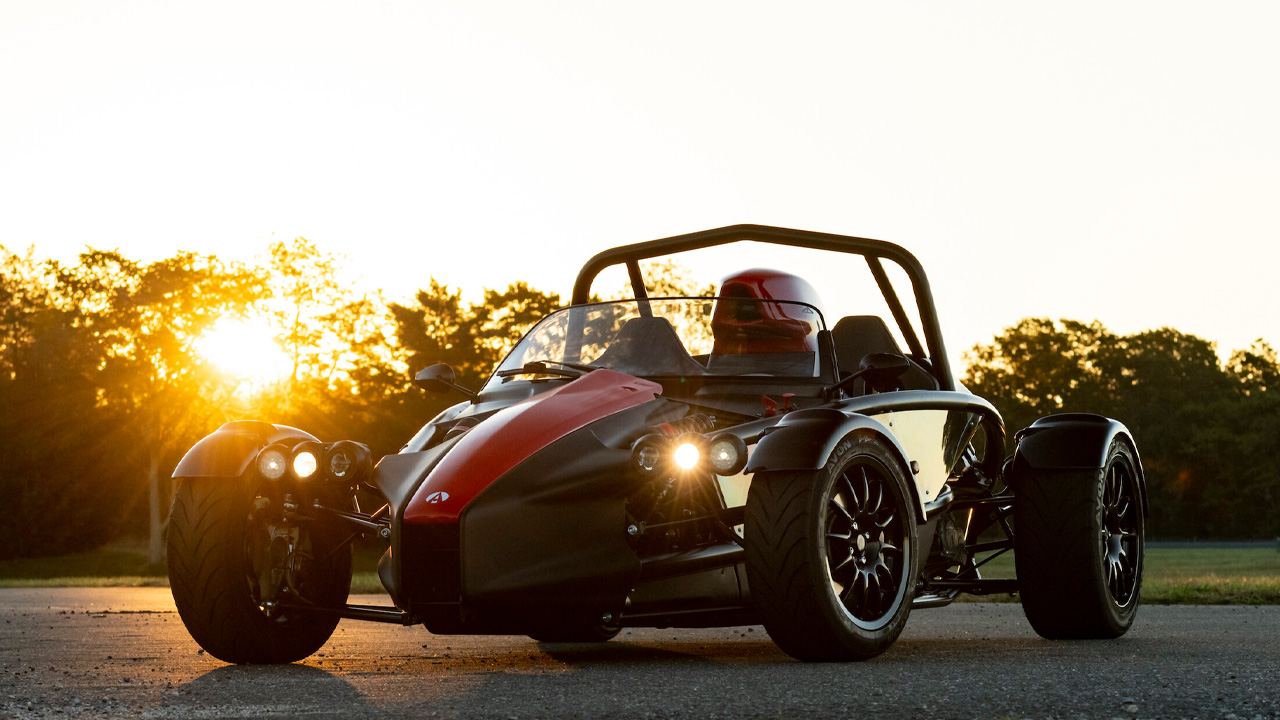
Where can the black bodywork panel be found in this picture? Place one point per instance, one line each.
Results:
(227, 451)
(1073, 441)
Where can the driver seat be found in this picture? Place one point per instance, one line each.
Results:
(857, 336)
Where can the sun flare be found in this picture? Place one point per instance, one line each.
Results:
(245, 349)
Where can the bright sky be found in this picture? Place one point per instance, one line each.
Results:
(1118, 161)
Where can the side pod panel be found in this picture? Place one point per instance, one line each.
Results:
(804, 439)
(1073, 441)
(227, 451)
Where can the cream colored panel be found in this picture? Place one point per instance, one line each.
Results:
(734, 489)
(920, 432)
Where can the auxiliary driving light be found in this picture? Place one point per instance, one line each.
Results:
(727, 454)
(686, 455)
(348, 462)
(305, 461)
(649, 454)
(272, 462)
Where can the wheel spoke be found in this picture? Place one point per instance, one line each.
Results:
(865, 498)
(882, 524)
(848, 488)
(849, 589)
(841, 509)
(842, 565)
(887, 548)
(873, 598)
(879, 499)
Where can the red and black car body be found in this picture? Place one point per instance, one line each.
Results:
(686, 462)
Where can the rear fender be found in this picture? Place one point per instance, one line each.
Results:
(228, 451)
(1073, 441)
(805, 439)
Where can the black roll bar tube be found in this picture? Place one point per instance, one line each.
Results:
(868, 248)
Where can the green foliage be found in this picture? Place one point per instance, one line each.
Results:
(1206, 432)
(103, 385)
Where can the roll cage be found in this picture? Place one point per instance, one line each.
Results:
(873, 251)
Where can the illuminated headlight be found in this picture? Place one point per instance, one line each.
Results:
(305, 461)
(272, 462)
(727, 454)
(305, 465)
(686, 455)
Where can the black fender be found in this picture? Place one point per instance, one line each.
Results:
(805, 439)
(1073, 441)
(228, 451)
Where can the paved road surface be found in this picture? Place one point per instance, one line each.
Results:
(124, 652)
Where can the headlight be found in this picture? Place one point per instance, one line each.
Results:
(348, 462)
(305, 461)
(686, 455)
(649, 455)
(272, 462)
(727, 454)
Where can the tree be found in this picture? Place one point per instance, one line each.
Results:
(148, 320)
(1206, 433)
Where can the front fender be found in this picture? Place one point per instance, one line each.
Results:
(805, 439)
(1073, 441)
(227, 451)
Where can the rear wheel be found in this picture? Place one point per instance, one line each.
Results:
(239, 574)
(831, 552)
(1079, 547)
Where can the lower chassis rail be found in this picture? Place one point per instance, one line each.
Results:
(375, 613)
(974, 587)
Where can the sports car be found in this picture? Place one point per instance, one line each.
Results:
(676, 462)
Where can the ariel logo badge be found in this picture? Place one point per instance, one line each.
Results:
(436, 498)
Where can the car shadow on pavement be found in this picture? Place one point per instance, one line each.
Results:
(258, 690)
(621, 652)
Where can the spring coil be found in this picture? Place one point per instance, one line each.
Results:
(695, 423)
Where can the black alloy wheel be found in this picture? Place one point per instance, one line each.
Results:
(1120, 533)
(831, 553)
(864, 544)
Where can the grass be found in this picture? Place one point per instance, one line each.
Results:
(1192, 576)
(1173, 576)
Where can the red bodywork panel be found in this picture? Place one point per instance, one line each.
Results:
(513, 434)
(757, 328)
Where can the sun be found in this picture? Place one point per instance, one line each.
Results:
(245, 349)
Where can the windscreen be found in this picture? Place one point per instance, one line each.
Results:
(723, 337)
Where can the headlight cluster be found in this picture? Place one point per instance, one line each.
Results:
(343, 462)
(657, 454)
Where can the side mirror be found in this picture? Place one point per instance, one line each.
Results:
(875, 369)
(439, 378)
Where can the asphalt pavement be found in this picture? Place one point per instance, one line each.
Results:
(123, 652)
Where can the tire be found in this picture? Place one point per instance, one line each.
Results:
(211, 539)
(831, 553)
(1078, 547)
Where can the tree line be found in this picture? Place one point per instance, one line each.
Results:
(103, 385)
(1207, 431)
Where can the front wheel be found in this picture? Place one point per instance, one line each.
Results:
(831, 552)
(1078, 547)
(244, 579)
